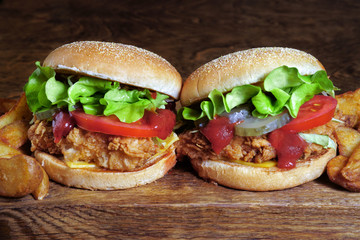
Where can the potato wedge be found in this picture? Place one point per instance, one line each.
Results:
(348, 139)
(15, 133)
(351, 186)
(351, 171)
(349, 102)
(6, 104)
(20, 175)
(7, 152)
(19, 112)
(42, 190)
(334, 168)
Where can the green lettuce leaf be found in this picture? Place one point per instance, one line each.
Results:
(88, 86)
(322, 140)
(190, 114)
(240, 95)
(95, 96)
(283, 88)
(89, 91)
(129, 105)
(282, 77)
(56, 91)
(35, 88)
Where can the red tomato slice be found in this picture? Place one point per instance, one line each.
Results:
(158, 124)
(219, 132)
(313, 113)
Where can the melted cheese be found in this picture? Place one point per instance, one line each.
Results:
(81, 164)
(266, 164)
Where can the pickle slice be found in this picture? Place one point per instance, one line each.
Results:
(256, 126)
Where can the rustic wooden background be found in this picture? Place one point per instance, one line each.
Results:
(188, 34)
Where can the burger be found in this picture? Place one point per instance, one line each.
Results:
(260, 119)
(103, 115)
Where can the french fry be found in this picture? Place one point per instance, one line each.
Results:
(6, 104)
(20, 175)
(42, 190)
(20, 111)
(15, 133)
(7, 152)
(348, 139)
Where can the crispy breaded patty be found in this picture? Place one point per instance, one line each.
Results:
(249, 149)
(107, 151)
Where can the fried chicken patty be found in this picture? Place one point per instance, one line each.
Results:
(107, 151)
(250, 149)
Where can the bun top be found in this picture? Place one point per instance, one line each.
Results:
(117, 62)
(243, 67)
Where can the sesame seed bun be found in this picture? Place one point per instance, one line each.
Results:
(243, 67)
(117, 62)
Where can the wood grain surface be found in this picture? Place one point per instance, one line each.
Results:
(188, 34)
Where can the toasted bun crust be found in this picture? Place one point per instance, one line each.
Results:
(262, 179)
(243, 67)
(117, 62)
(105, 179)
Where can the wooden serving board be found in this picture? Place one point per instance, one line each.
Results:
(181, 205)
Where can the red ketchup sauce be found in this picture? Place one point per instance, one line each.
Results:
(289, 147)
(219, 132)
(62, 124)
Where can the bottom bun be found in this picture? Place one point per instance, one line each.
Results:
(262, 179)
(100, 179)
